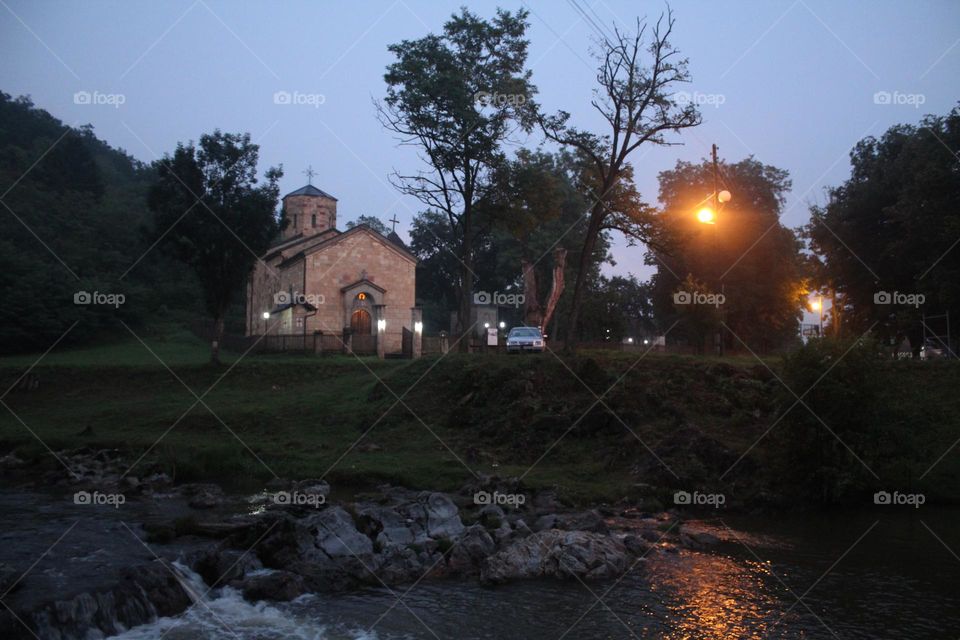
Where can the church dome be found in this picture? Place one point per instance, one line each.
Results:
(309, 190)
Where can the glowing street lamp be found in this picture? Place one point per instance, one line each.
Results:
(817, 305)
(706, 216)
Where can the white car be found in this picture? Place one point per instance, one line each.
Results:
(522, 339)
(932, 350)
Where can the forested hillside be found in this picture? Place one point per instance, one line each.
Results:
(74, 219)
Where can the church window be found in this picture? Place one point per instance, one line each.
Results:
(299, 323)
(313, 220)
(294, 221)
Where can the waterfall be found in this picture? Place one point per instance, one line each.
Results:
(223, 614)
(192, 583)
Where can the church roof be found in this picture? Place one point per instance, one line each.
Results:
(365, 282)
(395, 239)
(292, 241)
(310, 190)
(287, 305)
(333, 236)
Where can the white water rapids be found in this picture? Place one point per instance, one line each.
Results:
(222, 614)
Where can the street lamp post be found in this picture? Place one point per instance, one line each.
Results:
(820, 314)
(817, 306)
(709, 216)
(716, 179)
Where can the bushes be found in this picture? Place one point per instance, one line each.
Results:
(832, 441)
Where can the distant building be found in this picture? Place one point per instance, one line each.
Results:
(319, 279)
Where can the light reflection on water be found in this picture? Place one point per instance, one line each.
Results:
(717, 597)
(684, 596)
(896, 582)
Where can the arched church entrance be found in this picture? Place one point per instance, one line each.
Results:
(360, 322)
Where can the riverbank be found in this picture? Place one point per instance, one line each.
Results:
(290, 540)
(181, 561)
(598, 428)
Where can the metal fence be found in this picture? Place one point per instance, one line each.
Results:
(316, 344)
(328, 343)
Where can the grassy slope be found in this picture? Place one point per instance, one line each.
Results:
(529, 415)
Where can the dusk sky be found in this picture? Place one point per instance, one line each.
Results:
(792, 83)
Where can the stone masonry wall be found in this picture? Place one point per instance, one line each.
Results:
(362, 253)
(304, 208)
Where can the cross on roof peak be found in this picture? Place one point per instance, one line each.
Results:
(394, 221)
(310, 173)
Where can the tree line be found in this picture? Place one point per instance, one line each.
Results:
(88, 217)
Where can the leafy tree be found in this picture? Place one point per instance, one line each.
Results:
(371, 221)
(747, 255)
(212, 214)
(533, 206)
(638, 104)
(616, 308)
(698, 317)
(527, 195)
(542, 212)
(438, 272)
(456, 97)
(892, 228)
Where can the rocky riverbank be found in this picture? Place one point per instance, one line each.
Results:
(293, 538)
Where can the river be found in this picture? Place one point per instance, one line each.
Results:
(883, 573)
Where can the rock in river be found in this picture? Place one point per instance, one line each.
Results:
(560, 554)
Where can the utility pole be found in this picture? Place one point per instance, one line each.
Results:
(716, 209)
(716, 180)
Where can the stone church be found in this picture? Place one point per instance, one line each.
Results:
(318, 279)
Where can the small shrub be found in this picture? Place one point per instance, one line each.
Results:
(839, 419)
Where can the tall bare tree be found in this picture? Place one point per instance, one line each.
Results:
(638, 103)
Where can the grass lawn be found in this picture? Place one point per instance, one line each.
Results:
(429, 423)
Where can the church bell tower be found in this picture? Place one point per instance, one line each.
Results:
(308, 210)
